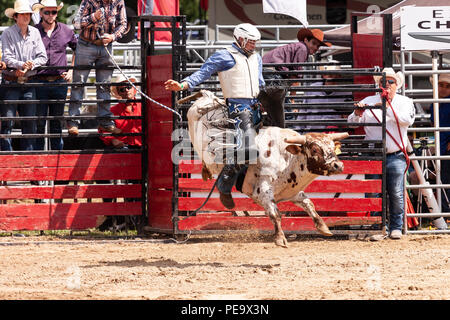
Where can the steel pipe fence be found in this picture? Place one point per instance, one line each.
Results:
(416, 70)
(32, 84)
(353, 148)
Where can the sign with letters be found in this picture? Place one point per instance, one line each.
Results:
(425, 28)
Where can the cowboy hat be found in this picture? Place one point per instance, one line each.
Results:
(46, 4)
(20, 6)
(315, 33)
(443, 77)
(120, 78)
(399, 77)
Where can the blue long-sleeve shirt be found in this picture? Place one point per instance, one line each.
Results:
(221, 60)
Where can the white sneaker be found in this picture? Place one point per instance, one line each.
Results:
(377, 237)
(396, 234)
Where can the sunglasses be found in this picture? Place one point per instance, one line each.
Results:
(53, 12)
(123, 89)
(390, 81)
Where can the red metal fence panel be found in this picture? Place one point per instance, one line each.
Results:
(346, 211)
(77, 199)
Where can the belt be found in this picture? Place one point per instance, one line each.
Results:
(16, 79)
(396, 152)
(48, 78)
(97, 42)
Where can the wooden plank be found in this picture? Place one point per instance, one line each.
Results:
(67, 173)
(362, 167)
(160, 209)
(46, 223)
(159, 69)
(264, 223)
(246, 204)
(321, 186)
(70, 191)
(109, 160)
(48, 210)
(350, 167)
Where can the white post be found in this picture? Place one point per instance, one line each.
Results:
(434, 62)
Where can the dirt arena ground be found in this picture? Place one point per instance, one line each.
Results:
(225, 267)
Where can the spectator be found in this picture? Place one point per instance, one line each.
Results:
(395, 158)
(102, 22)
(324, 97)
(240, 74)
(24, 51)
(444, 121)
(309, 41)
(126, 92)
(2, 67)
(56, 37)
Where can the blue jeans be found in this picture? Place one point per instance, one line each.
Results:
(395, 188)
(10, 110)
(240, 105)
(48, 92)
(92, 55)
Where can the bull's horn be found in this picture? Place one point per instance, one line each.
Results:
(297, 139)
(338, 135)
(194, 96)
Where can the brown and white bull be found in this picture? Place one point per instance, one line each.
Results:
(288, 162)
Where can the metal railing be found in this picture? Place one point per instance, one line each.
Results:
(410, 71)
(301, 97)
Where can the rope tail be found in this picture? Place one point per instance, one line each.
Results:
(209, 195)
(138, 90)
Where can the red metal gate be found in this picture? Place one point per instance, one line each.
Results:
(335, 209)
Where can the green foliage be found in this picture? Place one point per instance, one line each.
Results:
(191, 9)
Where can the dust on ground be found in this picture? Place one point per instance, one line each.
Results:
(225, 267)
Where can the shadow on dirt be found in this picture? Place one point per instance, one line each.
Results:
(170, 263)
(252, 238)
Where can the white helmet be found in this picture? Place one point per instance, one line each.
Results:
(246, 31)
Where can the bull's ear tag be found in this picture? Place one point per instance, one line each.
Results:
(337, 150)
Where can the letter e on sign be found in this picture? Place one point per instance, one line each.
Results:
(425, 28)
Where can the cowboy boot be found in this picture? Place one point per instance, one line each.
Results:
(227, 179)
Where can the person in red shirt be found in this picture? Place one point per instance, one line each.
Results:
(125, 91)
(128, 92)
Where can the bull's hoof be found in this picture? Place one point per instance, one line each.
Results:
(227, 200)
(323, 228)
(281, 241)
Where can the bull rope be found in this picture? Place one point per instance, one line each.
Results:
(171, 110)
(138, 90)
(207, 198)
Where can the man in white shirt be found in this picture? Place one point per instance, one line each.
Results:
(398, 119)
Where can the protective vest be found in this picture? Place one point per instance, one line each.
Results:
(241, 81)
